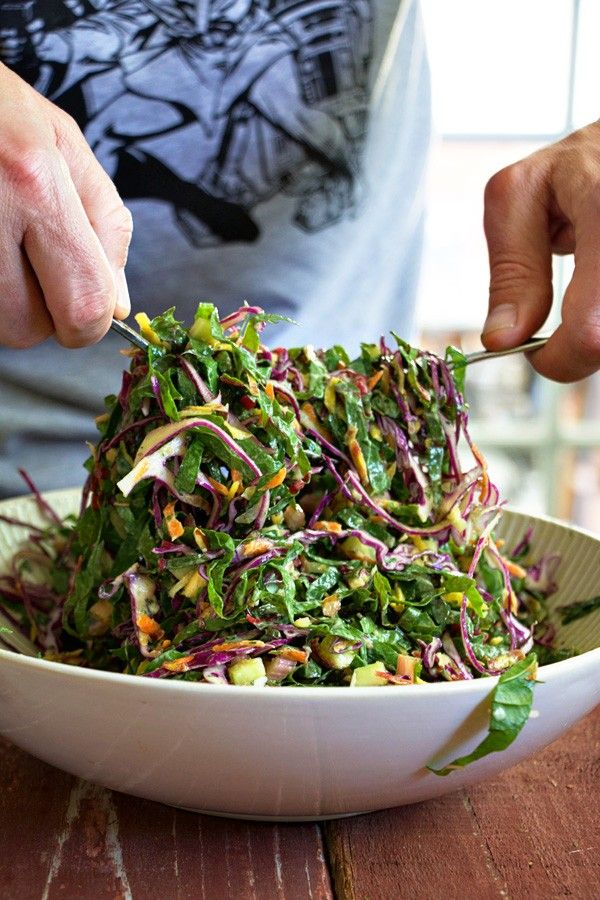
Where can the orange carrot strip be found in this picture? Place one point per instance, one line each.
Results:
(150, 626)
(374, 379)
(332, 527)
(175, 528)
(178, 665)
(292, 653)
(277, 479)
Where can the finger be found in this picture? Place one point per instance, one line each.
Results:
(66, 255)
(517, 231)
(25, 321)
(573, 351)
(107, 214)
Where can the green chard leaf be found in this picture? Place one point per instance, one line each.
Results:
(511, 703)
(578, 610)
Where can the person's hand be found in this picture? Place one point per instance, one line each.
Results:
(547, 203)
(64, 232)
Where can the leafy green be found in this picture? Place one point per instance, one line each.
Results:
(253, 502)
(511, 703)
(578, 610)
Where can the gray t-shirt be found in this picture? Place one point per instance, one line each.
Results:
(269, 151)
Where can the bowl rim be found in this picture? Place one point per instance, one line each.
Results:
(475, 685)
(589, 658)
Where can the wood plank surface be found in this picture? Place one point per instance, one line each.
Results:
(530, 833)
(64, 838)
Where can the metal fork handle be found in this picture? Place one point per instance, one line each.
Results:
(527, 347)
(130, 335)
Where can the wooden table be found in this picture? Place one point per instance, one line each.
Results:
(531, 833)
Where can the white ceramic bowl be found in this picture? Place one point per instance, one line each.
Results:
(289, 753)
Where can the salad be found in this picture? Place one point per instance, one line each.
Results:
(287, 517)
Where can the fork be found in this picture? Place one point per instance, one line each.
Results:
(132, 336)
(534, 344)
(527, 347)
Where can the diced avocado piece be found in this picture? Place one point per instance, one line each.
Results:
(334, 652)
(246, 671)
(367, 676)
(354, 549)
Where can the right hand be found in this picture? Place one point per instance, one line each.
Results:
(64, 231)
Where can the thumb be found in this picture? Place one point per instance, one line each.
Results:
(516, 224)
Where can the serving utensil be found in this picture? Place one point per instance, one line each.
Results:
(532, 344)
(129, 334)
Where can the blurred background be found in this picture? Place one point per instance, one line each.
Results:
(530, 77)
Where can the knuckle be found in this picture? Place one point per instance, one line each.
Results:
(66, 122)
(30, 175)
(511, 187)
(88, 317)
(122, 229)
(504, 182)
(68, 136)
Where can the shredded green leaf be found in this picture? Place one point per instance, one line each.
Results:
(292, 505)
(511, 703)
(578, 610)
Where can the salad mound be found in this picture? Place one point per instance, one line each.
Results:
(282, 517)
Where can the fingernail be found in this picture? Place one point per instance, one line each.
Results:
(501, 317)
(123, 304)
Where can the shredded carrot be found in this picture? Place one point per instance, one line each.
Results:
(175, 528)
(150, 626)
(169, 510)
(178, 665)
(269, 391)
(359, 460)
(236, 645)
(374, 379)
(514, 568)
(485, 481)
(219, 488)
(331, 527)
(308, 411)
(277, 479)
(255, 547)
(293, 654)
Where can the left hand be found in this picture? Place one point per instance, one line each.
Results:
(547, 203)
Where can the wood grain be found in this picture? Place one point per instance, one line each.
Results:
(61, 837)
(530, 833)
(208, 857)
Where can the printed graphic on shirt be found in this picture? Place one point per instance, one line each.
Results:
(212, 106)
